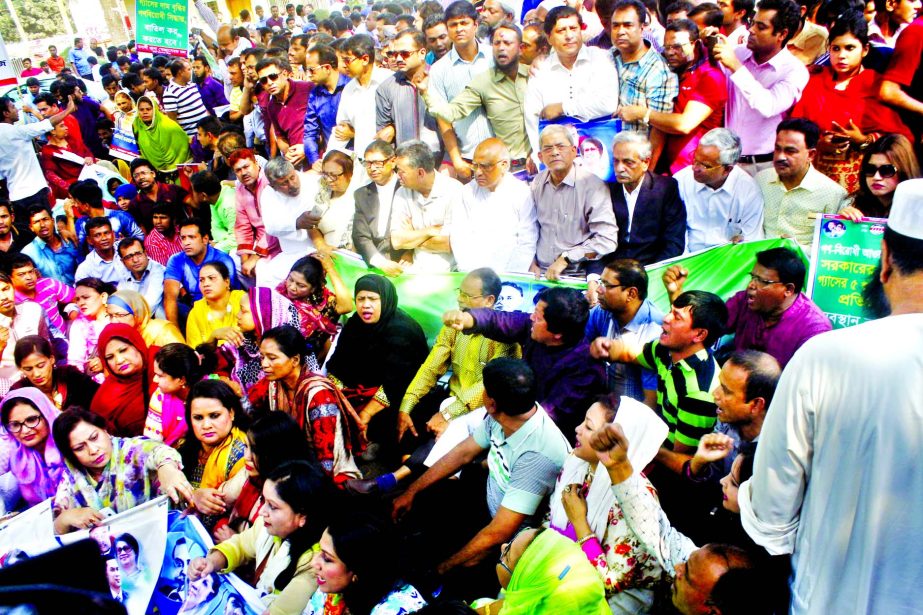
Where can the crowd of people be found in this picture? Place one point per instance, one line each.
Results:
(172, 320)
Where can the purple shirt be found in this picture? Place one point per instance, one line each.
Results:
(288, 117)
(212, 93)
(87, 113)
(799, 323)
(569, 379)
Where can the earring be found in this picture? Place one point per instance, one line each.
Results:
(355, 579)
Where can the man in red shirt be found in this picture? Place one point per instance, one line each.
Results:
(902, 85)
(699, 106)
(55, 62)
(285, 107)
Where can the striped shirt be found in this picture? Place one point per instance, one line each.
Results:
(186, 102)
(160, 248)
(684, 392)
(49, 293)
(648, 82)
(448, 78)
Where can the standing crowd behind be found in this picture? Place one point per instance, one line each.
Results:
(179, 327)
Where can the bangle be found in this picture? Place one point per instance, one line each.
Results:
(586, 539)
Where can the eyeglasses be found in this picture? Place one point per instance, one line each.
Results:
(30, 423)
(349, 60)
(884, 171)
(132, 256)
(332, 176)
(403, 53)
(504, 554)
(678, 47)
(120, 315)
(314, 69)
(606, 286)
(762, 282)
(558, 147)
(267, 78)
(705, 167)
(465, 295)
(375, 164)
(124, 549)
(483, 166)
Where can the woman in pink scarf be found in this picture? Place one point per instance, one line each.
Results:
(26, 448)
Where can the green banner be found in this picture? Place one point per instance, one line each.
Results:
(844, 257)
(162, 26)
(722, 270)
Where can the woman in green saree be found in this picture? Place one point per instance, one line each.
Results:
(160, 139)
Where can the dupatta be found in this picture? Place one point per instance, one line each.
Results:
(123, 401)
(163, 143)
(223, 462)
(37, 472)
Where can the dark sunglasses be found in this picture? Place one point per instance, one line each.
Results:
(885, 170)
(267, 78)
(404, 54)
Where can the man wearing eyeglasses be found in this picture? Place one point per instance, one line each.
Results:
(323, 102)
(286, 107)
(723, 202)
(772, 315)
(145, 275)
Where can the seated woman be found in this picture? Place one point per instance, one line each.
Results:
(271, 441)
(282, 540)
(26, 450)
(214, 316)
(349, 581)
(123, 121)
(90, 296)
(214, 452)
(319, 308)
(175, 367)
(583, 507)
(125, 394)
(378, 353)
(109, 474)
(319, 408)
(63, 385)
(886, 163)
(131, 308)
(59, 163)
(261, 309)
(336, 203)
(544, 572)
(160, 140)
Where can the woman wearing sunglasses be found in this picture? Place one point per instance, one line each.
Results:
(886, 163)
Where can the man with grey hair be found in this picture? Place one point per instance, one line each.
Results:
(287, 206)
(576, 222)
(723, 202)
(421, 209)
(648, 209)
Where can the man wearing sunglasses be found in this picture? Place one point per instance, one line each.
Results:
(323, 102)
(286, 107)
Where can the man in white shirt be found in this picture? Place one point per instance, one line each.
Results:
(286, 207)
(421, 209)
(723, 203)
(495, 224)
(835, 478)
(576, 80)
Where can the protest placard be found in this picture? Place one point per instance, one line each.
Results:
(162, 26)
(594, 143)
(7, 71)
(843, 259)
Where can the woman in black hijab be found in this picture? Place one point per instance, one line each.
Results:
(377, 354)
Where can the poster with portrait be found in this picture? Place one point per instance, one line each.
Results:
(594, 143)
(217, 594)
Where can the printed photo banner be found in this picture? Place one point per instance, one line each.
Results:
(8, 74)
(594, 143)
(723, 270)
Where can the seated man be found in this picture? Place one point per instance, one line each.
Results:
(181, 278)
(54, 296)
(17, 320)
(421, 209)
(87, 199)
(219, 199)
(286, 214)
(163, 240)
(525, 452)
(102, 262)
(723, 203)
(54, 256)
(650, 215)
(624, 309)
(494, 224)
(772, 315)
(145, 275)
(552, 344)
(151, 192)
(374, 206)
(254, 244)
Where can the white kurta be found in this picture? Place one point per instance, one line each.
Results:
(837, 478)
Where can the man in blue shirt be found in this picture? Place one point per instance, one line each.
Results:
(87, 199)
(323, 101)
(182, 274)
(53, 256)
(79, 57)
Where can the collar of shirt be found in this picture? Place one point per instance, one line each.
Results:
(632, 195)
(777, 61)
(645, 58)
(569, 180)
(583, 57)
(518, 436)
(644, 315)
(147, 271)
(499, 75)
(483, 51)
(811, 181)
(729, 185)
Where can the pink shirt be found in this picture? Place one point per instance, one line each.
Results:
(760, 96)
(48, 294)
(248, 227)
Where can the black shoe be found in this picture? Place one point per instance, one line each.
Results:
(362, 486)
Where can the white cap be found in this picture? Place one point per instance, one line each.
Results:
(550, 4)
(906, 216)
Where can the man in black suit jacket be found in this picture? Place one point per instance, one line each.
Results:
(372, 220)
(657, 230)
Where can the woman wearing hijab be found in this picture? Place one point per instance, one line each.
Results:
(131, 308)
(378, 353)
(26, 447)
(125, 394)
(161, 140)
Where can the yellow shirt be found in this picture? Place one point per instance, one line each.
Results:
(202, 321)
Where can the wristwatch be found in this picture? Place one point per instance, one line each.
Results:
(566, 258)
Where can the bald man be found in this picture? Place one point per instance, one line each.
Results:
(494, 225)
